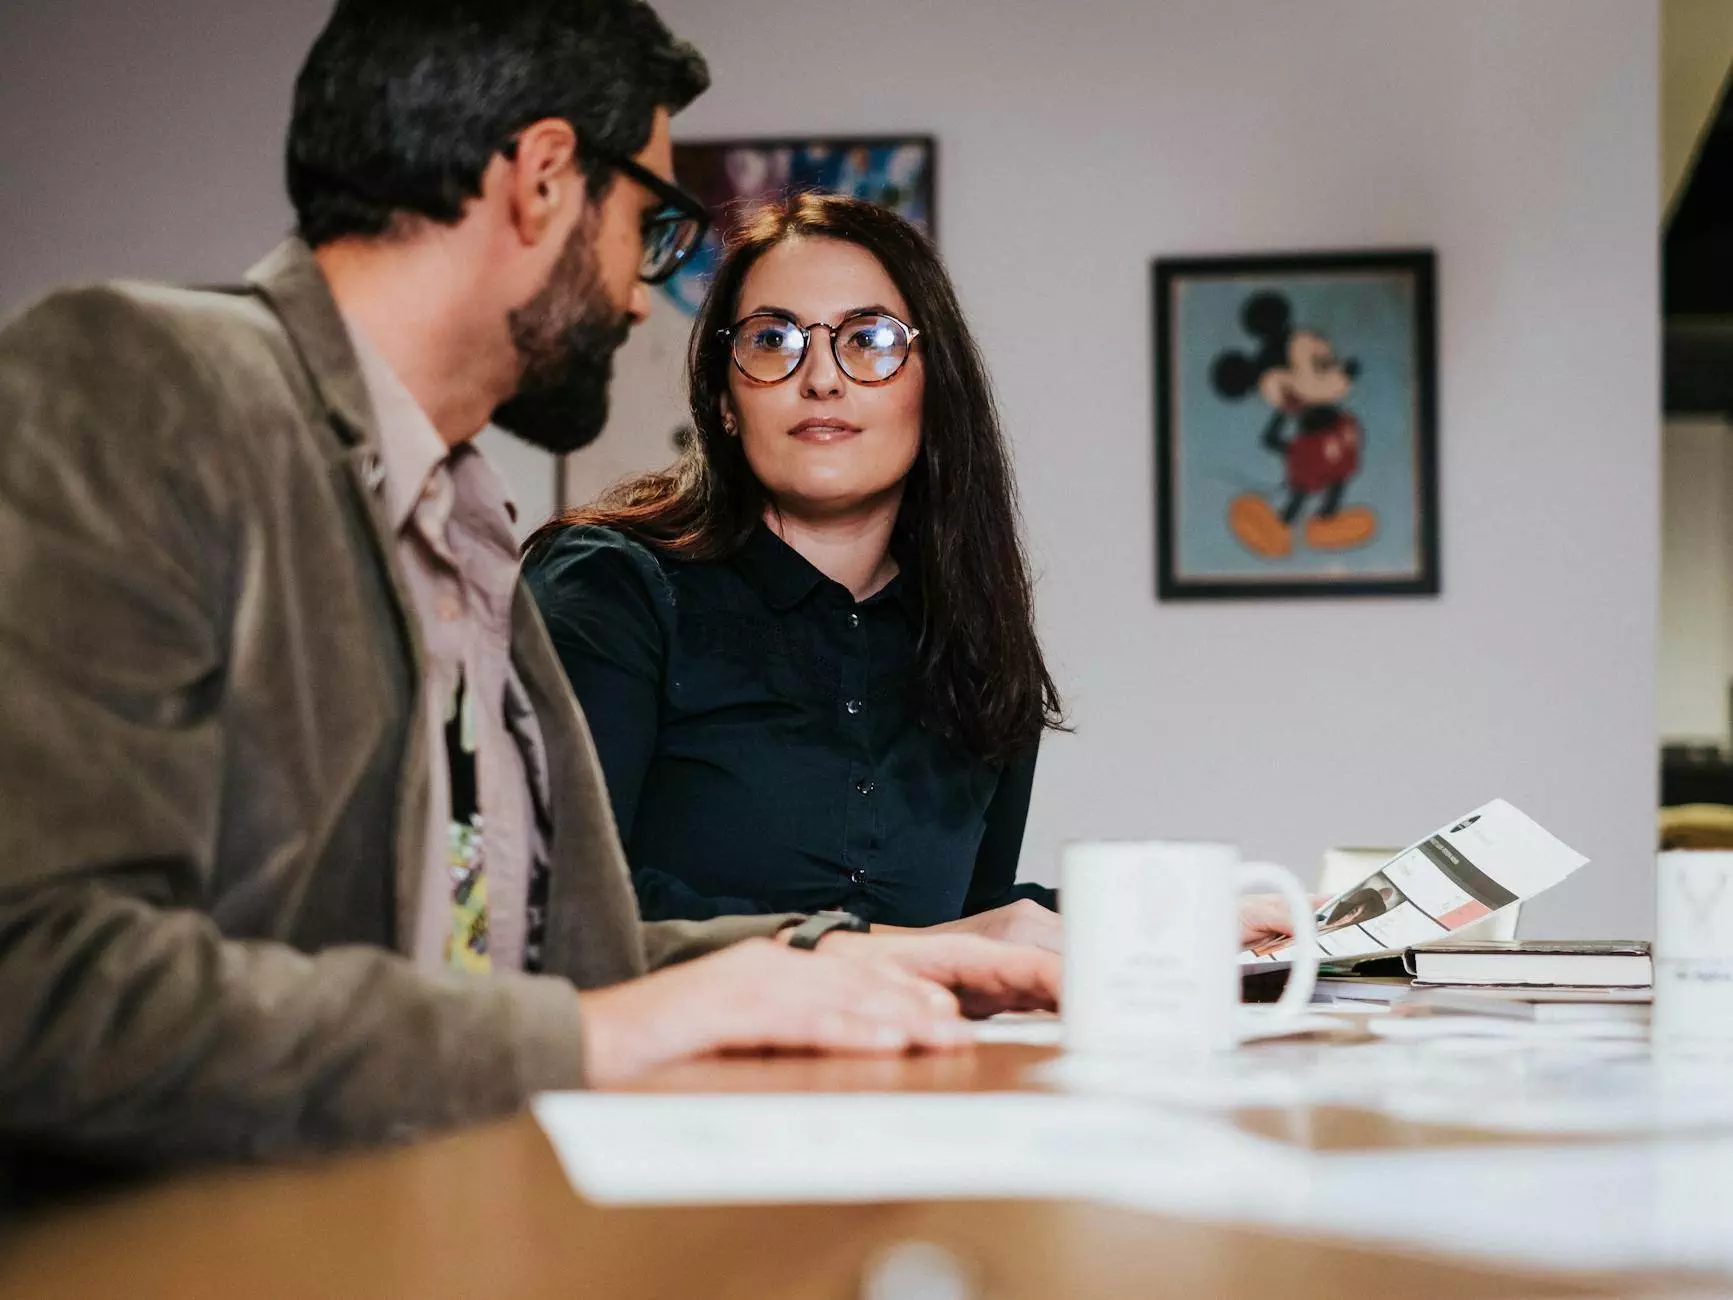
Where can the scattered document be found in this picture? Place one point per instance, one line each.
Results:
(1466, 1072)
(1255, 1023)
(1544, 1206)
(693, 1149)
(1412, 1028)
(1538, 1005)
(1481, 863)
(1028, 1029)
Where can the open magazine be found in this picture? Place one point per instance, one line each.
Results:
(1493, 858)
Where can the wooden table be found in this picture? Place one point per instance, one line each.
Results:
(488, 1213)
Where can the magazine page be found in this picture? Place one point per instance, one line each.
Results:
(1479, 864)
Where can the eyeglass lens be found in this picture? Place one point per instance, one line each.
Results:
(868, 349)
(669, 239)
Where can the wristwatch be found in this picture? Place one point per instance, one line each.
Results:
(807, 934)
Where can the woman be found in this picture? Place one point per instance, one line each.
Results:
(807, 651)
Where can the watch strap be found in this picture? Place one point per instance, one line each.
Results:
(807, 934)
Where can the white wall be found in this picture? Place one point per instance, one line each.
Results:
(1696, 649)
(1078, 140)
(146, 140)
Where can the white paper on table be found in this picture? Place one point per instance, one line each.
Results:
(1585, 1206)
(1663, 1202)
(1411, 1028)
(747, 1148)
(1260, 1022)
(1030, 1030)
(1508, 1084)
(1255, 1024)
(1604, 1205)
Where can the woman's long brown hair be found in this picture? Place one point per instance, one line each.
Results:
(982, 682)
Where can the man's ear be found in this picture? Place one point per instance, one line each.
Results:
(545, 183)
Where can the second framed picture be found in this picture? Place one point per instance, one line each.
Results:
(1296, 426)
(732, 177)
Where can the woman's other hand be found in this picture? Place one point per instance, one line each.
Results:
(1264, 918)
(1025, 922)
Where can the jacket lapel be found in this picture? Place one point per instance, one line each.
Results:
(593, 936)
(289, 279)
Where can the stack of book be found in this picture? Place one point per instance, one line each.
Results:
(1535, 979)
(1546, 981)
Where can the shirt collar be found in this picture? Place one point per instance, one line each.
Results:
(785, 577)
(410, 448)
(782, 575)
(290, 280)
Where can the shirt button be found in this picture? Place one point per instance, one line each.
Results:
(852, 706)
(853, 619)
(864, 786)
(857, 877)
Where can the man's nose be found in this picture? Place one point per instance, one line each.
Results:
(638, 305)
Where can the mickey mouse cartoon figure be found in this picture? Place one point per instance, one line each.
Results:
(1301, 380)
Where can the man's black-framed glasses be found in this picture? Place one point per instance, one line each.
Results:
(671, 233)
(870, 347)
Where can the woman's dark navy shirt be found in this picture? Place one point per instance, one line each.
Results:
(755, 726)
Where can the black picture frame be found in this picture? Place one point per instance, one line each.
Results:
(1353, 532)
(732, 175)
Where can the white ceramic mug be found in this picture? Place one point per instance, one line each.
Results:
(1693, 954)
(1152, 945)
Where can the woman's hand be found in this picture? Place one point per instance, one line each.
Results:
(1025, 922)
(984, 977)
(1264, 917)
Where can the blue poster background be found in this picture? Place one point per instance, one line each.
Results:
(731, 179)
(1367, 316)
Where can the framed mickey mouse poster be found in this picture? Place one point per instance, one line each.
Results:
(1296, 426)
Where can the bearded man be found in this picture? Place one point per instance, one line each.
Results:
(303, 840)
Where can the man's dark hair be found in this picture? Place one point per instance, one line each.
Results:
(401, 103)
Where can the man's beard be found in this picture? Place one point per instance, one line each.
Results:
(566, 337)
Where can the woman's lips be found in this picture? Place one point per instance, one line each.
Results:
(823, 430)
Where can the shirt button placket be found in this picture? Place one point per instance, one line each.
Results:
(862, 820)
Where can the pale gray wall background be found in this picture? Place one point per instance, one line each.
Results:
(1078, 140)
(144, 138)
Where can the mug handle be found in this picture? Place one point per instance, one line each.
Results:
(1303, 952)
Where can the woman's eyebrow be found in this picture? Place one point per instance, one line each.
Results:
(767, 309)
